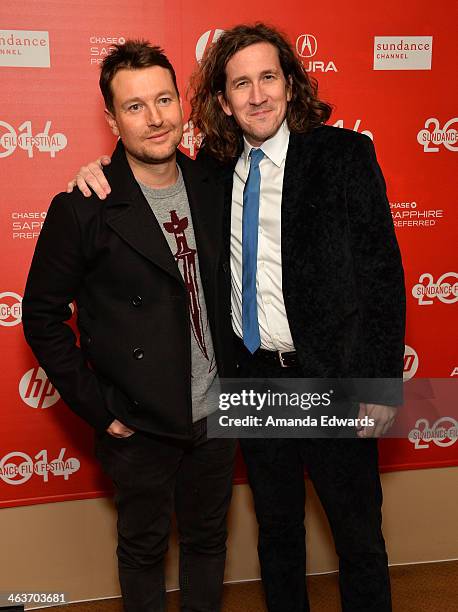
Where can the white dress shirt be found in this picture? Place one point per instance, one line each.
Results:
(273, 322)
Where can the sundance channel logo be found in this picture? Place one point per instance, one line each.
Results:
(403, 52)
(24, 49)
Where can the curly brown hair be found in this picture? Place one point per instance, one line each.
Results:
(222, 136)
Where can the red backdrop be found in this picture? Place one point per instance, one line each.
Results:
(389, 73)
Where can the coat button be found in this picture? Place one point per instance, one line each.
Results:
(88, 340)
(137, 300)
(138, 353)
(225, 267)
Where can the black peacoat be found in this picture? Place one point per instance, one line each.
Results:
(112, 259)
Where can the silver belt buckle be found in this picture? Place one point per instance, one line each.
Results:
(280, 357)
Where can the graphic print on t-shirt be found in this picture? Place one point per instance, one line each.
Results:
(186, 261)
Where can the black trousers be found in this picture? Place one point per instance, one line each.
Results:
(152, 475)
(345, 475)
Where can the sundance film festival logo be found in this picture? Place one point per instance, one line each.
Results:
(445, 289)
(25, 139)
(411, 362)
(443, 433)
(17, 467)
(355, 128)
(36, 389)
(403, 52)
(191, 141)
(24, 49)
(433, 136)
(306, 48)
(10, 309)
(208, 38)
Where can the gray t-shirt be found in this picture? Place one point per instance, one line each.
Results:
(171, 209)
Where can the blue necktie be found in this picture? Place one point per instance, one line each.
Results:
(250, 222)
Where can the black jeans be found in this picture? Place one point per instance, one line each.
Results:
(345, 475)
(151, 475)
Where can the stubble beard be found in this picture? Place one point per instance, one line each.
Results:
(146, 157)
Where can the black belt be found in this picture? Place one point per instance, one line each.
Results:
(284, 359)
(287, 359)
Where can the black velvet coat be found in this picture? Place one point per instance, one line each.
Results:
(112, 258)
(342, 275)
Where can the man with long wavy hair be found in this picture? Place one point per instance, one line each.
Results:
(224, 137)
(317, 291)
(329, 300)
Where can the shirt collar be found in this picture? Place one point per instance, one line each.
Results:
(275, 148)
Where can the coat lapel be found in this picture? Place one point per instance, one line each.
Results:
(205, 197)
(225, 180)
(299, 232)
(228, 184)
(296, 182)
(130, 216)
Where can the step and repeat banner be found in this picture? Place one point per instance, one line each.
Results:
(389, 72)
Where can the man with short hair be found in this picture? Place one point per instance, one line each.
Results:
(317, 291)
(147, 272)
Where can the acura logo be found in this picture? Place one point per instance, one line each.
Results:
(306, 45)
